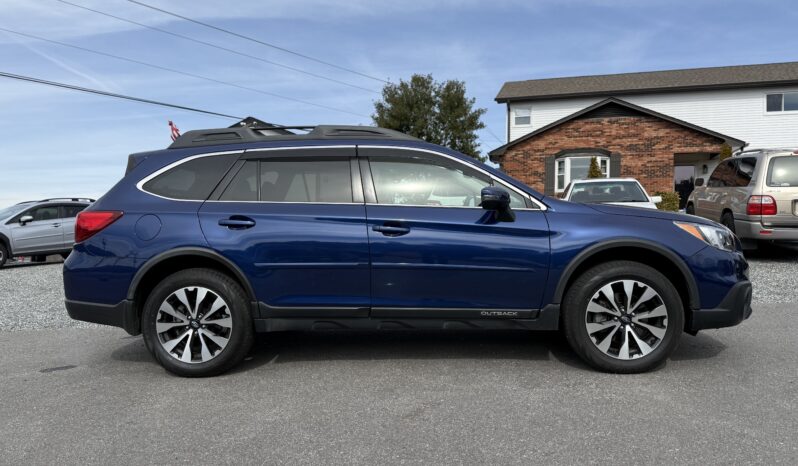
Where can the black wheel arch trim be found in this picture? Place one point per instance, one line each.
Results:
(585, 254)
(7, 243)
(190, 251)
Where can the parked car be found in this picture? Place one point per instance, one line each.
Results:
(39, 228)
(619, 191)
(229, 232)
(754, 194)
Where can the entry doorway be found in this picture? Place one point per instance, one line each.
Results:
(684, 182)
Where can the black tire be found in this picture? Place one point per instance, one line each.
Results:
(690, 209)
(581, 291)
(3, 254)
(727, 219)
(64, 255)
(241, 335)
(38, 259)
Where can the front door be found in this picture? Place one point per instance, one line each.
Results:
(294, 222)
(43, 234)
(436, 253)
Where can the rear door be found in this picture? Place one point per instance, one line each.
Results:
(436, 253)
(710, 202)
(781, 182)
(43, 234)
(294, 221)
(67, 214)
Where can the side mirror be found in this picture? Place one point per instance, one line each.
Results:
(25, 219)
(656, 199)
(698, 182)
(498, 200)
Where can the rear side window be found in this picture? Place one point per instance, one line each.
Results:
(723, 176)
(289, 180)
(305, 181)
(193, 180)
(71, 211)
(745, 171)
(783, 171)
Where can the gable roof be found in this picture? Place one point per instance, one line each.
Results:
(614, 107)
(771, 74)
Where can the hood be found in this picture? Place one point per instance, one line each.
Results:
(630, 211)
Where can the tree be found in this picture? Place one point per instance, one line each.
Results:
(437, 112)
(594, 171)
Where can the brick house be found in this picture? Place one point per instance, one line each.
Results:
(665, 128)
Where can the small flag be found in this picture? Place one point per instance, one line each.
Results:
(175, 131)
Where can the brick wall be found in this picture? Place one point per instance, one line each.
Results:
(646, 145)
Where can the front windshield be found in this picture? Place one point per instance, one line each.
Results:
(9, 211)
(607, 191)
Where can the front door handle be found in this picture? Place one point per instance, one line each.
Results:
(237, 222)
(391, 230)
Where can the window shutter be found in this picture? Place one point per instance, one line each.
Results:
(615, 164)
(550, 174)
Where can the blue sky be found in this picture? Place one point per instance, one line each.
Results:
(56, 142)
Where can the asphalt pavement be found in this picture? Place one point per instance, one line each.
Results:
(94, 395)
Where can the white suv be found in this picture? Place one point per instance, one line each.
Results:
(754, 193)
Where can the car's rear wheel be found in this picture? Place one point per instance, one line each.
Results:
(197, 323)
(3, 254)
(623, 316)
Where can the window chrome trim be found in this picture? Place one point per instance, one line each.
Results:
(542, 206)
(145, 180)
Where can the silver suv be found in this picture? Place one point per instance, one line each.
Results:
(754, 193)
(39, 228)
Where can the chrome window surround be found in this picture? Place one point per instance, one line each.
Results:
(143, 181)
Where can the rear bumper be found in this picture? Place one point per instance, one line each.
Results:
(735, 308)
(122, 314)
(754, 230)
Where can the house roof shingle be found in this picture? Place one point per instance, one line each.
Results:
(659, 81)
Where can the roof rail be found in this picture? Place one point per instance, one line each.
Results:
(73, 199)
(210, 137)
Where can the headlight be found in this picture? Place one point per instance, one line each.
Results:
(719, 237)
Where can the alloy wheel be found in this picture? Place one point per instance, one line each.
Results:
(626, 319)
(194, 324)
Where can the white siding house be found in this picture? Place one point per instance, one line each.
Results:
(740, 113)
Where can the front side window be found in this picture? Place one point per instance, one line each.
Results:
(781, 102)
(193, 180)
(523, 116)
(423, 182)
(574, 168)
(783, 171)
(292, 180)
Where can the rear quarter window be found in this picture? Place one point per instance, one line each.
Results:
(783, 171)
(191, 180)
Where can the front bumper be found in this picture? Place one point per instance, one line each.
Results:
(735, 308)
(121, 315)
(754, 230)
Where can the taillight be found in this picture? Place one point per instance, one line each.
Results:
(761, 205)
(92, 222)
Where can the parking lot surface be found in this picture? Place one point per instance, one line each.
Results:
(76, 393)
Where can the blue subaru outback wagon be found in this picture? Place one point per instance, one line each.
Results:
(229, 232)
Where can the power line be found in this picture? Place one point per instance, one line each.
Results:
(218, 47)
(493, 134)
(172, 70)
(111, 94)
(257, 41)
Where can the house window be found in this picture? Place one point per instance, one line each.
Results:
(523, 116)
(781, 102)
(572, 168)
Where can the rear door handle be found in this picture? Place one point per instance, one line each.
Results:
(56, 225)
(391, 230)
(237, 222)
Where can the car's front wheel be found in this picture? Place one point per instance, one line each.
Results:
(197, 323)
(623, 316)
